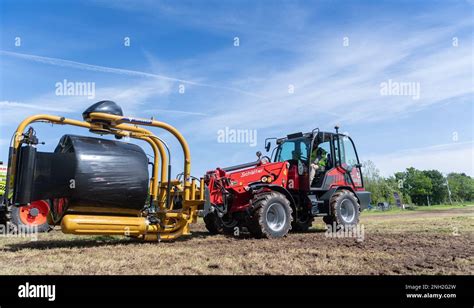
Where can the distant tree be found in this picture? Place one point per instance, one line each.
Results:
(462, 187)
(439, 190)
(371, 173)
(417, 185)
(381, 189)
(397, 186)
(373, 181)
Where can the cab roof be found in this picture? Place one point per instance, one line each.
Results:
(308, 135)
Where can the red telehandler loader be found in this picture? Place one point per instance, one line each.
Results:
(271, 196)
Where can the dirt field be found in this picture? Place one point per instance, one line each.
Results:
(412, 242)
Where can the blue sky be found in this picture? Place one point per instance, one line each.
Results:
(334, 54)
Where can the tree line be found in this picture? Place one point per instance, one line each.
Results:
(419, 187)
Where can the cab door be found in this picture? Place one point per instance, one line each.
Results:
(323, 141)
(348, 160)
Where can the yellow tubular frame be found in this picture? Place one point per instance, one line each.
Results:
(118, 120)
(175, 222)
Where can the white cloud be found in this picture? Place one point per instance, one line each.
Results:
(455, 157)
(112, 70)
(344, 83)
(130, 97)
(89, 67)
(43, 107)
(182, 112)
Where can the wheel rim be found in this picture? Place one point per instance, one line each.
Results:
(347, 211)
(276, 217)
(34, 214)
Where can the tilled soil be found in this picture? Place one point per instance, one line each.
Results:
(391, 244)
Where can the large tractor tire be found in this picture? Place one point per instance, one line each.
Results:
(213, 223)
(344, 209)
(302, 223)
(31, 218)
(272, 216)
(218, 225)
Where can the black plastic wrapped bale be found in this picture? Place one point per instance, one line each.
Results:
(110, 176)
(96, 175)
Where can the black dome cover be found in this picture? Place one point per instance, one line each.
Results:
(108, 107)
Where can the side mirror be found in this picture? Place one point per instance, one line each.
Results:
(268, 146)
(258, 154)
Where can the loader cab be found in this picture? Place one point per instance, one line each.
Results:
(343, 167)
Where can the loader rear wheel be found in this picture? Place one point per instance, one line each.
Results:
(31, 218)
(272, 217)
(345, 209)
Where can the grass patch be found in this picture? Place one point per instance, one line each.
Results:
(443, 207)
(396, 210)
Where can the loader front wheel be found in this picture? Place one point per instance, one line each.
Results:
(345, 209)
(272, 216)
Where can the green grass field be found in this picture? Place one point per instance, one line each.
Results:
(396, 210)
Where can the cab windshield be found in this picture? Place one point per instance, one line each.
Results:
(295, 149)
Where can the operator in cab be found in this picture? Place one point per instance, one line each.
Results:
(318, 161)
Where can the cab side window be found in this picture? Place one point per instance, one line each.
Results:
(348, 157)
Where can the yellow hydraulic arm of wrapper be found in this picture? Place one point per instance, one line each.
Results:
(172, 222)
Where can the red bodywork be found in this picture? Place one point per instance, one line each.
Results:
(339, 179)
(236, 183)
